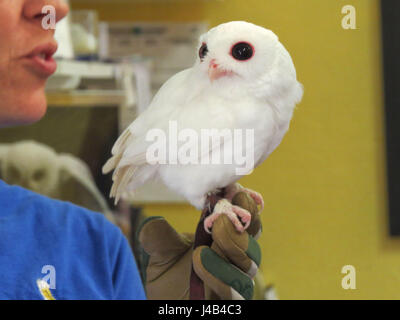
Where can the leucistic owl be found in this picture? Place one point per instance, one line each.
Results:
(243, 80)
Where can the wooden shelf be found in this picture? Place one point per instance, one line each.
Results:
(85, 98)
(85, 69)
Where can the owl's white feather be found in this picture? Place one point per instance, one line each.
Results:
(259, 94)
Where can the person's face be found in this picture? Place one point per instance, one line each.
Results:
(25, 58)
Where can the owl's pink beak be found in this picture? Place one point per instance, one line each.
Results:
(214, 72)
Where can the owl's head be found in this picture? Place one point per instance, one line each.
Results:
(244, 55)
(31, 165)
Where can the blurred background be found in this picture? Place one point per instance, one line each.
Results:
(325, 186)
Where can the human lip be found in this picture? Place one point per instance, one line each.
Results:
(41, 58)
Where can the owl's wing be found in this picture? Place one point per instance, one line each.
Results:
(129, 151)
(274, 141)
(78, 186)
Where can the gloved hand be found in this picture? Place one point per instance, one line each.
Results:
(226, 268)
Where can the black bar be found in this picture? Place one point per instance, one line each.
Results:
(390, 10)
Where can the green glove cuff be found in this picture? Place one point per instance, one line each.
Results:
(240, 283)
(241, 249)
(254, 251)
(144, 257)
(230, 264)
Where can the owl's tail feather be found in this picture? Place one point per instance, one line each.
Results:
(126, 161)
(121, 142)
(111, 163)
(122, 177)
(117, 151)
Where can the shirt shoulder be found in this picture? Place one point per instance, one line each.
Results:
(17, 201)
(91, 255)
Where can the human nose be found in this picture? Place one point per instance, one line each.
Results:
(33, 9)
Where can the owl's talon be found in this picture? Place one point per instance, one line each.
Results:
(256, 197)
(236, 187)
(233, 212)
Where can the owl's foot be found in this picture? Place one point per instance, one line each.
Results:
(236, 214)
(234, 188)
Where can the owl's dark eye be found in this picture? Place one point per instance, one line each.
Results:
(39, 175)
(242, 51)
(203, 51)
(13, 174)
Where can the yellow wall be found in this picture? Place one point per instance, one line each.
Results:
(324, 187)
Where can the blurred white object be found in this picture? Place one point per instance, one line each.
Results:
(103, 41)
(84, 42)
(141, 74)
(171, 46)
(143, 85)
(270, 293)
(70, 72)
(39, 168)
(84, 30)
(63, 37)
(134, 78)
(61, 82)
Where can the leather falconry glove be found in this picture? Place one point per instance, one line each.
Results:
(226, 267)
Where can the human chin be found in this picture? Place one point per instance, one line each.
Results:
(31, 106)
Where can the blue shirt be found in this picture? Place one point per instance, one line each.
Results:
(76, 253)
